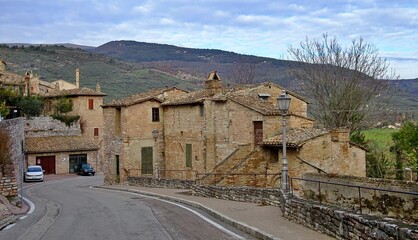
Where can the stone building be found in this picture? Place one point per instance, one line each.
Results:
(56, 147)
(224, 136)
(129, 146)
(218, 131)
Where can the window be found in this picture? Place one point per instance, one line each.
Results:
(155, 114)
(264, 96)
(201, 110)
(117, 121)
(91, 104)
(117, 165)
(96, 131)
(188, 155)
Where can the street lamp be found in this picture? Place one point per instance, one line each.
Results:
(283, 103)
(155, 136)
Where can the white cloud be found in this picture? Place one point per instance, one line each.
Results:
(259, 27)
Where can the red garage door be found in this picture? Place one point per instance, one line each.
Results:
(47, 163)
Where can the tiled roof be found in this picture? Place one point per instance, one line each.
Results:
(189, 98)
(295, 137)
(74, 92)
(239, 96)
(156, 94)
(59, 144)
(8, 78)
(254, 102)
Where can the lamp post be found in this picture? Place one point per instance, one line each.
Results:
(155, 136)
(283, 103)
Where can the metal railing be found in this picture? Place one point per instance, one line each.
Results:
(359, 188)
(235, 179)
(186, 174)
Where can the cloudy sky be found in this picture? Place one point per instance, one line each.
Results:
(258, 27)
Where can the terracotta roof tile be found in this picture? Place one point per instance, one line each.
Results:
(295, 137)
(59, 144)
(156, 94)
(8, 78)
(74, 92)
(189, 98)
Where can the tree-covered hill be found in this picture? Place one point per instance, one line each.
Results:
(126, 67)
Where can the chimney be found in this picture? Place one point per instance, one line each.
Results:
(98, 88)
(27, 84)
(57, 86)
(77, 77)
(340, 135)
(214, 83)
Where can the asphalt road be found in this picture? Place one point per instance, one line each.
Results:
(70, 209)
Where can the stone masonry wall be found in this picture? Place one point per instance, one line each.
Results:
(14, 128)
(345, 225)
(268, 196)
(160, 183)
(375, 202)
(8, 183)
(47, 127)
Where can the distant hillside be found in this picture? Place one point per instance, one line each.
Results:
(198, 62)
(117, 78)
(127, 67)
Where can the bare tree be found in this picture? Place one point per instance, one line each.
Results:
(243, 72)
(345, 84)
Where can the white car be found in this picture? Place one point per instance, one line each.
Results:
(34, 173)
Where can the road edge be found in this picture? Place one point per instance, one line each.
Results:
(255, 232)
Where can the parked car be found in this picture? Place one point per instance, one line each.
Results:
(34, 173)
(85, 169)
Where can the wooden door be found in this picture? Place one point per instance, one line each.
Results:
(258, 132)
(47, 163)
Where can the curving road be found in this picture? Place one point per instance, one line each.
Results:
(70, 209)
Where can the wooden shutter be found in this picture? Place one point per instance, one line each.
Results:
(91, 104)
(188, 155)
(146, 156)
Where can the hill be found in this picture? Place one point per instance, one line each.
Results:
(127, 67)
(117, 78)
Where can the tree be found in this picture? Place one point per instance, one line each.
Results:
(61, 108)
(344, 84)
(243, 72)
(8, 97)
(406, 144)
(31, 106)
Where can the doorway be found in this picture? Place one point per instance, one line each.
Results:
(258, 132)
(47, 163)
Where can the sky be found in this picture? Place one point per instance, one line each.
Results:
(257, 27)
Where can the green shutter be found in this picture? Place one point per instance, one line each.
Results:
(146, 156)
(188, 155)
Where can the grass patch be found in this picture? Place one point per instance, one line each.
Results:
(382, 138)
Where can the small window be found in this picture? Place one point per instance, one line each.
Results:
(155, 114)
(91, 104)
(201, 110)
(188, 155)
(96, 131)
(264, 96)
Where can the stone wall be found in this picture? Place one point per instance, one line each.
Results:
(375, 202)
(8, 183)
(49, 127)
(345, 225)
(14, 128)
(160, 183)
(268, 196)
